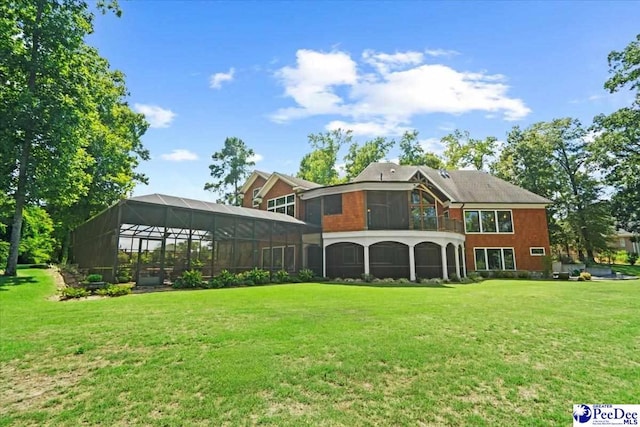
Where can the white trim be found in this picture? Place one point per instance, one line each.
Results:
(406, 237)
(357, 186)
(272, 181)
(255, 200)
(495, 214)
(499, 206)
(544, 251)
(251, 180)
(285, 205)
(475, 266)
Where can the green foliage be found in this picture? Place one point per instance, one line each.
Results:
(305, 275)
(359, 157)
(227, 278)
(258, 276)
(214, 283)
(114, 290)
(476, 277)
(4, 253)
(231, 165)
(70, 293)
(93, 278)
(281, 276)
(367, 278)
(585, 275)
(632, 257)
(37, 242)
(189, 279)
(461, 150)
(523, 274)
(412, 153)
(320, 165)
(124, 276)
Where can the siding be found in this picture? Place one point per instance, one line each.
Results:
(352, 217)
(530, 230)
(247, 201)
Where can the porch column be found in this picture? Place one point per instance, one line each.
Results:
(324, 261)
(457, 255)
(366, 259)
(443, 251)
(464, 261)
(412, 263)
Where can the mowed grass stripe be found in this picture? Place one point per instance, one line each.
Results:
(497, 353)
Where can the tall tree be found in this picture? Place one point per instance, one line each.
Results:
(412, 153)
(617, 143)
(461, 150)
(230, 168)
(320, 164)
(359, 157)
(45, 104)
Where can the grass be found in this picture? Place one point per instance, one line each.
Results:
(497, 353)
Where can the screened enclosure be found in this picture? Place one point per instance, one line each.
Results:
(153, 239)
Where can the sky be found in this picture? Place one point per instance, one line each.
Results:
(271, 73)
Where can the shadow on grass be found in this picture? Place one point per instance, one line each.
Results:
(15, 281)
(391, 285)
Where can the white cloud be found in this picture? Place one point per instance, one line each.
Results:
(255, 158)
(384, 100)
(157, 117)
(441, 52)
(216, 80)
(179, 155)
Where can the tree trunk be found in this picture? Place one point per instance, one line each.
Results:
(21, 190)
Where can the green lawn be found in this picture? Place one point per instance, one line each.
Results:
(629, 270)
(495, 353)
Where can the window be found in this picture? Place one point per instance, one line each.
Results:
(536, 251)
(488, 221)
(495, 259)
(333, 204)
(313, 211)
(255, 194)
(423, 211)
(388, 210)
(284, 204)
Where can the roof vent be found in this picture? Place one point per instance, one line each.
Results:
(444, 173)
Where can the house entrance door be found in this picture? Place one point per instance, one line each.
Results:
(149, 267)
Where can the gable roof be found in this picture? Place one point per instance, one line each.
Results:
(294, 182)
(254, 175)
(461, 186)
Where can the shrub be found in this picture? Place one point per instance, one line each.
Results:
(581, 279)
(388, 280)
(257, 277)
(403, 281)
(189, 279)
(620, 256)
(124, 276)
(632, 257)
(434, 281)
(4, 253)
(547, 266)
(114, 290)
(485, 274)
(94, 278)
(305, 275)
(281, 276)
(69, 293)
(524, 274)
(367, 278)
(476, 277)
(454, 278)
(227, 278)
(585, 276)
(466, 280)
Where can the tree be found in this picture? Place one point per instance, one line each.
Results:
(461, 150)
(46, 104)
(230, 168)
(320, 165)
(359, 157)
(617, 143)
(412, 153)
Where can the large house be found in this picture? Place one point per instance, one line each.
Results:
(409, 221)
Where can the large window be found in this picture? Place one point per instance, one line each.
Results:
(488, 221)
(284, 204)
(495, 259)
(333, 204)
(387, 210)
(423, 211)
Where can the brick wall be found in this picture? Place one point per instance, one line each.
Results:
(279, 189)
(530, 230)
(247, 202)
(352, 217)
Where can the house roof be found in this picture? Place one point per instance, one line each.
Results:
(462, 186)
(295, 183)
(254, 175)
(200, 205)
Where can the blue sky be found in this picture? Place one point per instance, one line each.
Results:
(270, 73)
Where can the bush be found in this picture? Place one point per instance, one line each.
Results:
(305, 275)
(227, 278)
(454, 278)
(620, 256)
(485, 274)
(281, 276)
(114, 290)
(214, 283)
(257, 277)
(632, 257)
(69, 293)
(403, 281)
(367, 278)
(524, 274)
(124, 276)
(476, 277)
(189, 279)
(94, 278)
(466, 280)
(547, 266)
(4, 253)
(585, 276)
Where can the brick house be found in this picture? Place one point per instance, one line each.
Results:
(410, 221)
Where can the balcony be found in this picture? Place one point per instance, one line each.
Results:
(414, 222)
